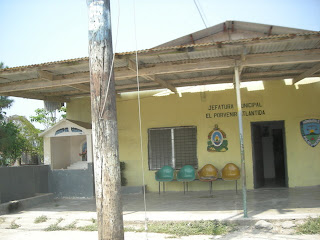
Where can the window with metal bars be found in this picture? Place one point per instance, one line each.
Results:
(173, 146)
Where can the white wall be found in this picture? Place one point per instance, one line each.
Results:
(60, 152)
(75, 148)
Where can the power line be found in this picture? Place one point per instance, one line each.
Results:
(200, 13)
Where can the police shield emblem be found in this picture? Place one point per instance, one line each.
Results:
(310, 131)
(217, 141)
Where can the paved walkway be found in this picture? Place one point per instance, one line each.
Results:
(268, 204)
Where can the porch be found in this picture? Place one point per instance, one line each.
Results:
(272, 204)
(264, 203)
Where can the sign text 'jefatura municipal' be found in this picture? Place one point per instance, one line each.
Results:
(229, 110)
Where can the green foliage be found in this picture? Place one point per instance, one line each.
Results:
(63, 112)
(89, 228)
(2, 65)
(17, 134)
(5, 102)
(55, 226)
(311, 226)
(13, 225)
(187, 228)
(12, 143)
(33, 143)
(41, 219)
(47, 118)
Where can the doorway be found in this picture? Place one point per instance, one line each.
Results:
(269, 154)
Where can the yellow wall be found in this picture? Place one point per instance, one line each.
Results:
(279, 101)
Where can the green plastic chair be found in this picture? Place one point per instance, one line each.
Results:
(186, 174)
(165, 174)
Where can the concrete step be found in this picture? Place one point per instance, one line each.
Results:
(79, 165)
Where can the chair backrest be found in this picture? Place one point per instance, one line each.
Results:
(208, 173)
(187, 173)
(230, 172)
(165, 174)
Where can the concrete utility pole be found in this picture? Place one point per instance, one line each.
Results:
(104, 123)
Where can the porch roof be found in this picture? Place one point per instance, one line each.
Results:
(206, 57)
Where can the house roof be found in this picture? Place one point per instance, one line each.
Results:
(66, 123)
(205, 57)
(232, 30)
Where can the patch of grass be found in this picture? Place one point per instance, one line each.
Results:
(93, 220)
(187, 228)
(13, 225)
(55, 226)
(71, 226)
(311, 226)
(41, 219)
(89, 228)
(2, 220)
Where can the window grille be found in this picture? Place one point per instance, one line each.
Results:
(174, 146)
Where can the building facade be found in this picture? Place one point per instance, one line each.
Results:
(275, 151)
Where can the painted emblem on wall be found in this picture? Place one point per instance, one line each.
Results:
(310, 131)
(217, 140)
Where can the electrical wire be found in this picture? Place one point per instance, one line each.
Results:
(140, 128)
(112, 63)
(201, 10)
(200, 13)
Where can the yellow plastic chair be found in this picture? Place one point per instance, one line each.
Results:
(208, 173)
(231, 172)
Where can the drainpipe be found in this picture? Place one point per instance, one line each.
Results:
(243, 168)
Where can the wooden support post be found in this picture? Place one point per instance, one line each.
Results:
(104, 123)
(243, 168)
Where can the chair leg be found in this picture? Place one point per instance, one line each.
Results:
(210, 187)
(163, 187)
(187, 186)
(159, 188)
(184, 188)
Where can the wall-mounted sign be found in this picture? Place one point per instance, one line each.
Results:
(217, 140)
(229, 110)
(310, 131)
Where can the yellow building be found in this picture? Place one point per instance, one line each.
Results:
(189, 109)
(272, 113)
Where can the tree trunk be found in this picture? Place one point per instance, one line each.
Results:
(104, 123)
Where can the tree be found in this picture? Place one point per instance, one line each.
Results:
(2, 65)
(5, 102)
(12, 143)
(33, 143)
(48, 118)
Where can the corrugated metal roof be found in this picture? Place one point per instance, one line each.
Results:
(236, 28)
(264, 47)
(200, 63)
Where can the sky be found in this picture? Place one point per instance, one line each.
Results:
(40, 31)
